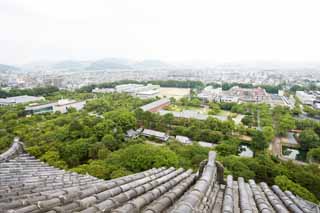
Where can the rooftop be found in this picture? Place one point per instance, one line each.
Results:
(155, 104)
(20, 99)
(29, 185)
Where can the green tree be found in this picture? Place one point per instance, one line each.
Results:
(53, 158)
(268, 133)
(228, 147)
(140, 157)
(309, 139)
(314, 155)
(110, 142)
(286, 184)
(259, 142)
(286, 123)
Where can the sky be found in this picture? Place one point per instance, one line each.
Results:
(179, 30)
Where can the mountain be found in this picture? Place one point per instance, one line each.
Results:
(110, 63)
(8, 68)
(151, 64)
(70, 65)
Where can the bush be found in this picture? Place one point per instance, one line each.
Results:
(286, 184)
(140, 157)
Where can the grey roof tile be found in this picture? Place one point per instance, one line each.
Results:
(29, 185)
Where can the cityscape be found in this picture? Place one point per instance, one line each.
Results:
(159, 106)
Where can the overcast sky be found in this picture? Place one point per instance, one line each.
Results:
(172, 30)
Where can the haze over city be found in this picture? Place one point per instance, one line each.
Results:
(159, 106)
(174, 31)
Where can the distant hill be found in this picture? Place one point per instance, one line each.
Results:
(103, 64)
(110, 63)
(70, 65)
(8, 68)
(151, 64)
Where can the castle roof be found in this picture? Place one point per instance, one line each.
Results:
(29, 185)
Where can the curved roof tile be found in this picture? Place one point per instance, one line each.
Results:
(29, 185)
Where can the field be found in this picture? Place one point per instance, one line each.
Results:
(178, 108)
(176, 93)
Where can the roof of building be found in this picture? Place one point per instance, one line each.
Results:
(206, 144)
(150, 132)
(183, 139)
(155, 104)
(29, 185)
(20, 99)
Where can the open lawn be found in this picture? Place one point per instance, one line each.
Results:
(173, 92)
(178, 108)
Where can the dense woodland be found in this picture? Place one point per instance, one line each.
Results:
(93, 140)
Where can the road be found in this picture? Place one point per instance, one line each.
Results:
(276, 149)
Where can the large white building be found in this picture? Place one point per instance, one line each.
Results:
(19, 100)
(139, 90)
(209, 93)
(61, 106)
(306, 98)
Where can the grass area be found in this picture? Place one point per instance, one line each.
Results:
(179, 108)
(227, 113)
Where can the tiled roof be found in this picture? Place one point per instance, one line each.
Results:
(155, 104)
(29, 185)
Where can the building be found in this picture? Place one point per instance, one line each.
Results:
(206, 144)
(155, 134)
(103, 90)
(138, 90)
(156, 105)
(236, 94)
(61, 106)
(183, 139)
(131, 133)
(227, 99)
(305, 98)
(316, 104)
(147, 94)
(135, 89)
(19, 100)
(188, 114)
(30, 185)
(209, 93)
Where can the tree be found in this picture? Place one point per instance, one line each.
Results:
(214, 108)
(53, 158)
(268, 133)
(259, 142)
(228, 147)
(310, 111)
(286, 184)
(314, 155)
(110, 142)
(140, 157)
(309, 139)
(286, 123)
(237, 168)
(122, 118)
(95, 168)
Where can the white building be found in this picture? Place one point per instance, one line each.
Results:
(156, 134)
(209, 93)
(206, 144)
(305, 98)
(183, 139)
(227, 99)
(19, 100)
(103, 90)
(65, 104)
(60, 106)
(147, 94)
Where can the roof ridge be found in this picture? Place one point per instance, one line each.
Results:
(16, 148)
